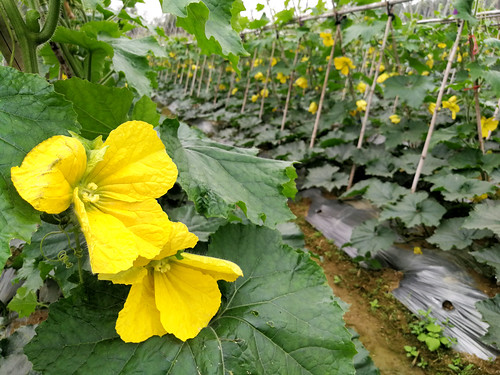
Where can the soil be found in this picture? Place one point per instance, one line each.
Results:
(384, 327)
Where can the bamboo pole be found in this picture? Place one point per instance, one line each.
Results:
(176, 73)
(370, 98)
(231, 85)
(269, 67)
(195, 73)
(201, 75)
(210, 73)
(398, 65)
(372, 70)
(248, 81)
(217, 86)
(290, 86)
(323, 90)
(451, 58)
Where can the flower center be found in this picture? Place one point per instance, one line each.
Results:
(161, 265)
(89, 193)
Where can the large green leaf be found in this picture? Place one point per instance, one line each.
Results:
(198, 224)
(455, 186)
(372, 237)
(450, 234)
(490, 256)
(490, 310)
(383, 193)
(411, 89)
(145, 110)
(100, 109)
(415, 209)
(211, 22)
(364, 31)
(485, 216)
(321, 177)
(281, 317)
(464, 11)
(30, 112)
(217, 178)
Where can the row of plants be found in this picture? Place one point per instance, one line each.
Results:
(455, 206)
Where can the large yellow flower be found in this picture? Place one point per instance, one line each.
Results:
(327, 39)
(313, 107)
(112, 186)
(176, 292)
(301, 82)
(488, 125)
(343, 64)
(361, 105)
(452, 105)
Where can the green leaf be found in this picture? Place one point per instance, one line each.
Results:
(24, 302)
(464, 11)
(432, 343)
(145, 110)
(198, 224)
(490, 256)
(362, 361)
(30, 112)
(364, 31)
(411, 89)
(492, 42)
(210, 22)
(217, 178)
(321, 177)
(457, 187)
(372, 237)
(490, 310)
(259, 7)
(451, 234)
(100, 109)
(284, 16)
(485, 216)
(432, 327)
(280, 315)
(415, 209)
(292, 235)
(383, 193)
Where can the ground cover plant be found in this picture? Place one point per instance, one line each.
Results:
(129, 222)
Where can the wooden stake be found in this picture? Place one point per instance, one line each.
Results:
(231, 85)
(370, 97)
(323, 90)
(248, 81)
(201, 75)
(210, 74)
(290, 86)
(451, 58)
(217, 86)
(195, 73)
(176, 73)
(269, 67)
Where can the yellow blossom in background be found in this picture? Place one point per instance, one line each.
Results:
(64, 77)
(257, 62)
(281, 77)
(465, 54)
(175, 292)
(488, 125)
(371, 50)
(430, 61)
(301, 82)
(222, 87)
(343, 64)
(320, 69)
(259, 76)
(381, 78)
(304, 59)
(459, 57)
(229, 69)
(210, 66)
(247, 63)
(234, 91)
(441, 45)
(113, 187)
(190, 74)
(237, 79)
(426, 73)
(172, 54)
(361, 87)
(327, 39)
(444, 55)
(361, 105)
(255, 98)
(395, 119)
(432, 107)
(313, 107)
(452, 105)
(274, 61)
(382, 68)
(417, 250)
(194, 67)
(264, 93)
(274, 109)
(327, 58)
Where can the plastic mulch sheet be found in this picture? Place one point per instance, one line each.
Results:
(433, 280)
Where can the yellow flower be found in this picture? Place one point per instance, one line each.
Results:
(488, 125)
(327, 39)
(426, 73)
(304, 59)
(190, 74)
(222, 87)
(327, 58)
(281, 77)
(371, 50)
(210, 66)
(259, 76)
(172, 54)
(229, 69)
(234, 91)
(237, 79)
(343, 64)
(444, 55)
(264, 93)
(382, 68)
(255, 98)
(320, 69)
(274, 61)
(361, 87)
(459, 57)
(113, 187)
(64, 76)
(441, 45)
(432, 108)
(430, 61)
(175, 292)
(353, 112)
(395, 119)
(452, 105)
(194, 67)
(257, 62)
(417, 250)
(361, 105)
(274, 109)
(381, 78)
(301, 82)
(313, 107)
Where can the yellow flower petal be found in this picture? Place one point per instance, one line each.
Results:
(187, 299)
(140, 319)
(219, 269)
(180, 239)
(50, 172)
(135, 165)
(131, 276)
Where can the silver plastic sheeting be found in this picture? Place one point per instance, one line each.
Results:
(433, 280)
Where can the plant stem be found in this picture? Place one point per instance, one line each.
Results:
(79, 255)
(50, 23)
